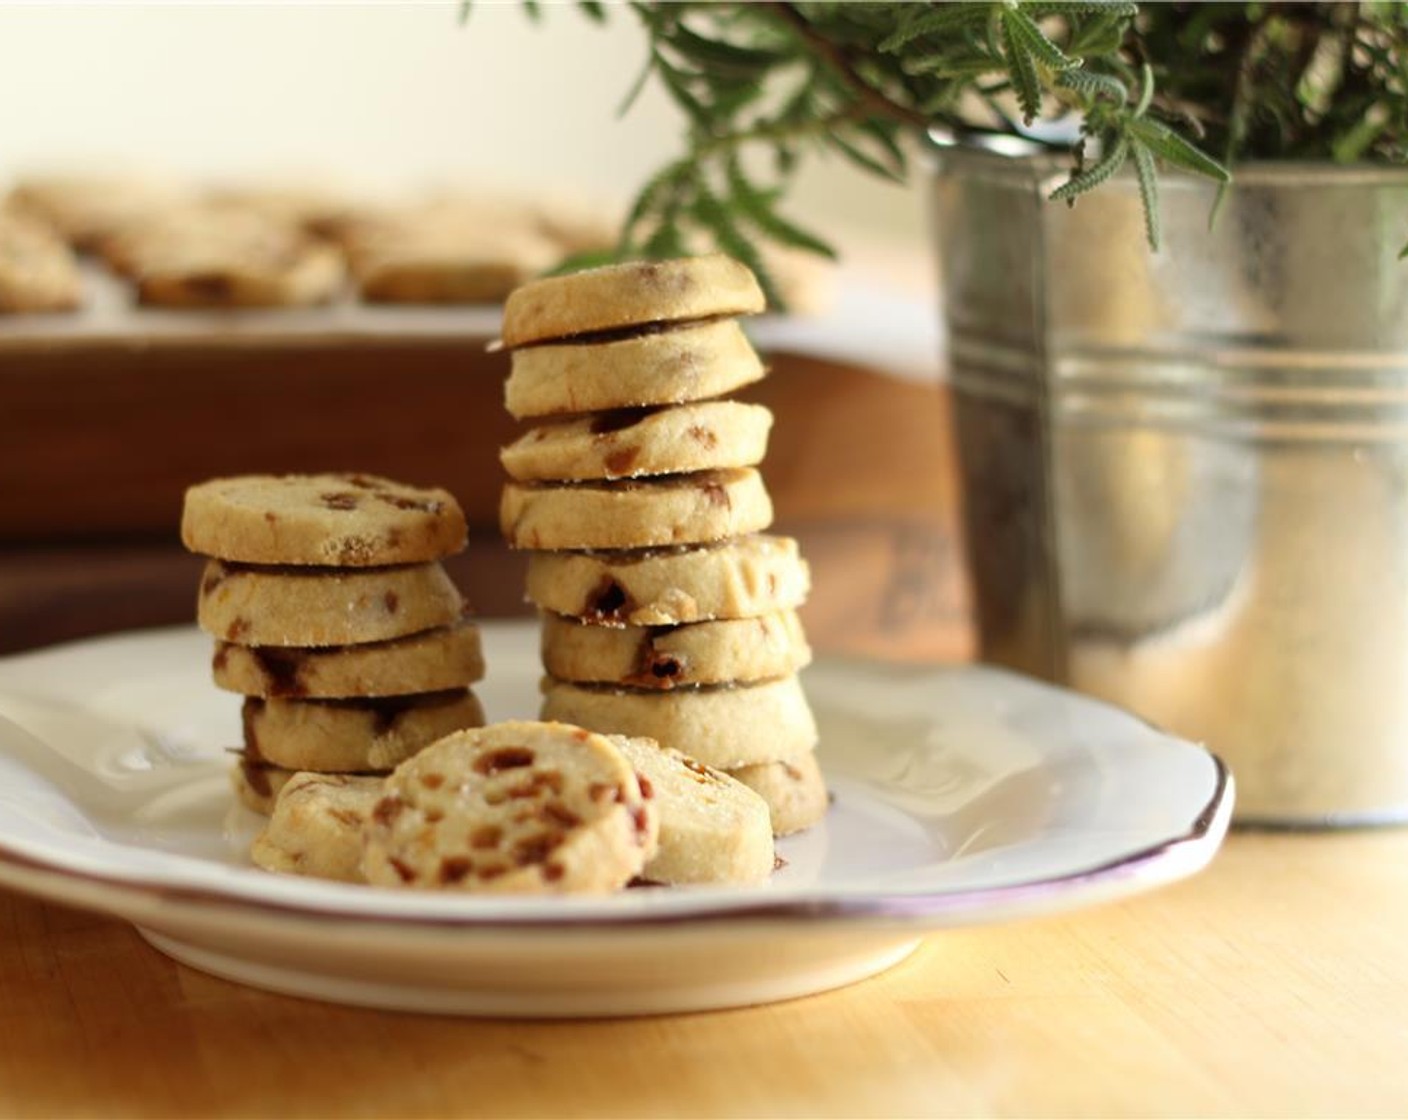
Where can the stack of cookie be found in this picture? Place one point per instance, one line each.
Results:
(335, 619)
(667, 613)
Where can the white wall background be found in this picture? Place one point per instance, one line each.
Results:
(385, 96)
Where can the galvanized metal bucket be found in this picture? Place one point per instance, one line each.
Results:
(1186, 472)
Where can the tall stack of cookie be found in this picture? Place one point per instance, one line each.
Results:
(335, 619)
(667, 612)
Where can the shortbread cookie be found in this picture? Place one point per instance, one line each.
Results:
(517, 807)
(431, 661)
(316, 826)
(656, 367)
(342, 520)
(627, 295)
(795, 791)
(430, 259)
(84, 209)
(712, 828)
(37, 270)
(734, 579)
(718, 652)
(299, 275)
(723, 727)
(353, 735)
(257, 784)
(680, 509)
(311, 606)
(707, 436)
(198, 227)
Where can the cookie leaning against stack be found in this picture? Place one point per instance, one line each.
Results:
(335, 620)
(668, 612)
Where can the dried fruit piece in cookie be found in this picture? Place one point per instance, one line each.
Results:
(627, 295)
(37, 270)
(795, 791)
(712, 829)
(686, 363)
(629, 443)
(639, 513)
(353, 735)
(431, 661)
(515, 807)
(740, 578)
(312, 606)
(722, 727)
(718, 652)
(341, 520)
(316, 826)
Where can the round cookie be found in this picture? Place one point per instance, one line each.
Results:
(316, 826)
(37, 269)
(519, 807)
(686, 363)
(680, 509)
(431, 661)
(341, 520)
(625, 295)
(721, 727)
(741, 578)
(257, 784)
(795, 791)
(310, 606)
(299, 275)
(665, 657)
(712, 828)
(353, 735)
(706, 436)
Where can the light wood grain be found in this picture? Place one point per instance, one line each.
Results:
(1272, 985)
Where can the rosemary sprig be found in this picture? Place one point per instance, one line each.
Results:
(764, 85)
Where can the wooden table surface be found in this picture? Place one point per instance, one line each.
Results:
(1276, 983)
(1272, 985)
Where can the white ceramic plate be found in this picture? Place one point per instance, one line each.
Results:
(962, 796)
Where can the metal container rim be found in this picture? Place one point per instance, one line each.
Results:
(1023, 155)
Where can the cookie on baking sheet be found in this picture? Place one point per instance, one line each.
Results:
(313, 606)
(38, 271)
(297, 273)
(520, 807)
(794, 790)
(724, 726)
(430, 661)
(342, 520)
(84, 209)
(628, 443)
(635, 513)
(740, 578)
(712, 829)
(316, 826)
(628, 295)
(664, 657)
(688, 363)
(353, 735)
(425, 262)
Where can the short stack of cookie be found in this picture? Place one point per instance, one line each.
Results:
(668, 613)
(335, 619)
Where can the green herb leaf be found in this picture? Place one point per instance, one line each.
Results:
(1148, 177)
(1168, 145)
(1094, 175)
(931, 21)
(1023, 28)
(1026, 82)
